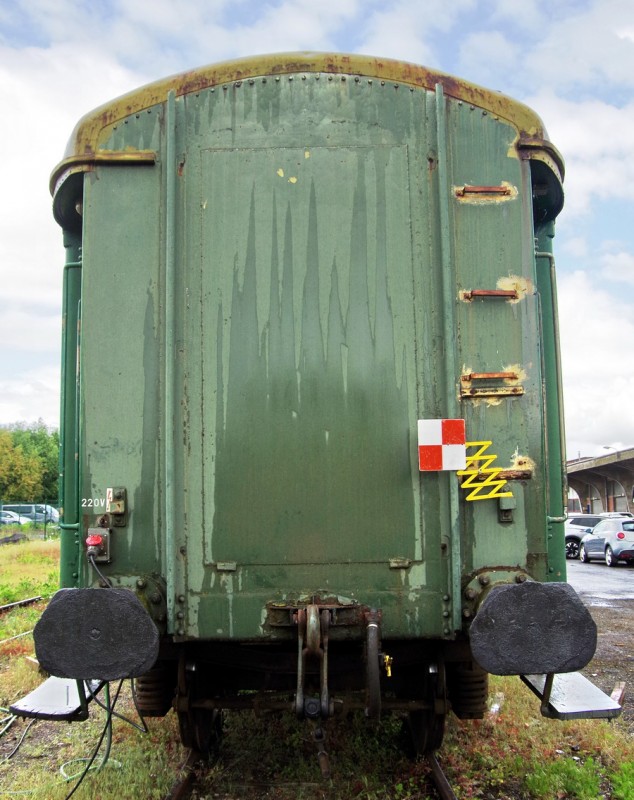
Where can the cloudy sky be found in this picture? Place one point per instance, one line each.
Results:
(570, 60)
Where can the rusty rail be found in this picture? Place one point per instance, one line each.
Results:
(440, 781)
(184, 787)
(19, 603)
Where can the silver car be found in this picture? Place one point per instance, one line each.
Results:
(11, 518)
(611, 540)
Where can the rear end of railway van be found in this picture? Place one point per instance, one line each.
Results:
(311, 408)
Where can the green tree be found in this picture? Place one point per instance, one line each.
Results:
(28, 463)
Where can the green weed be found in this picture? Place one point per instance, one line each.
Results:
(623, 781)
(565, 778)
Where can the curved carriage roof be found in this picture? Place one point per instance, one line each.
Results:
(93, 129)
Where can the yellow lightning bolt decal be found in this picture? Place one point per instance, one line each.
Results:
(481, 479)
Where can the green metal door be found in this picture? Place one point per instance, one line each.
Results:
(306, 262)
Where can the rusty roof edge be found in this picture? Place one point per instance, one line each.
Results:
(543, 148)
(89, 131)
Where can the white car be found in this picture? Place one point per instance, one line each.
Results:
(11, 518)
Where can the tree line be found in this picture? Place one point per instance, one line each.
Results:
(29, 463)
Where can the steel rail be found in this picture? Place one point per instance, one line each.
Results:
(440, 781)
(185, 785)
(20, 603)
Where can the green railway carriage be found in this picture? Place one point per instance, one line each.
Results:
(276, 267)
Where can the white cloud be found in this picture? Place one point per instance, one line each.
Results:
(164, 37)
(47, 91)
(29, 329)
(584, 46)
(406, 29)
(575, 246)
(485, 55)
(595, 139)
(618, 267)
(31, 396)
(529, 15)
(597, 331)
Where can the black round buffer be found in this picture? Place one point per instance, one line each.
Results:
(533, 628)
(103, 634)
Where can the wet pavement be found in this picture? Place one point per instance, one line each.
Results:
(597, 581)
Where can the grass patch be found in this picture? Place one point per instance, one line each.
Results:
(140, 766)
(512, 754)
(516, 753)
(623, 781)
(28, 569)
(565, 778)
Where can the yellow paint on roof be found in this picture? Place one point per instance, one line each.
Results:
(94, 128)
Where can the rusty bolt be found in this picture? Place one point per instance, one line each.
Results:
(484, 580)
(155, 598)
(470, 593)
(521, 578)
(140, 584)
(466, 613)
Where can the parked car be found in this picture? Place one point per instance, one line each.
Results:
(576, 527)
(11, 518)
(611, 540)
(36, 512)
(616, 514)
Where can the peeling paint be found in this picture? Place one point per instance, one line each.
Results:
(521, 285)
(485, 195)
(226, 582)
(523, 462)
(518, 371)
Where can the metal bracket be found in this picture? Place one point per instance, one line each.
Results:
(313, 626)
(117, 506)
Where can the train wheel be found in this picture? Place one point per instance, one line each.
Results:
(200, 728)
(427, 726)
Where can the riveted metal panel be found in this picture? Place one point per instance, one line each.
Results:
(120, 361)
(309, 263)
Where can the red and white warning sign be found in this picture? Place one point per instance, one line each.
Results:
(441, 444)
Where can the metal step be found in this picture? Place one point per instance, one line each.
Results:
(58, 699)
(572, 696)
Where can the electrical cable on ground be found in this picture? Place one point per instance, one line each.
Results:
(106, 729)
(19, 744)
